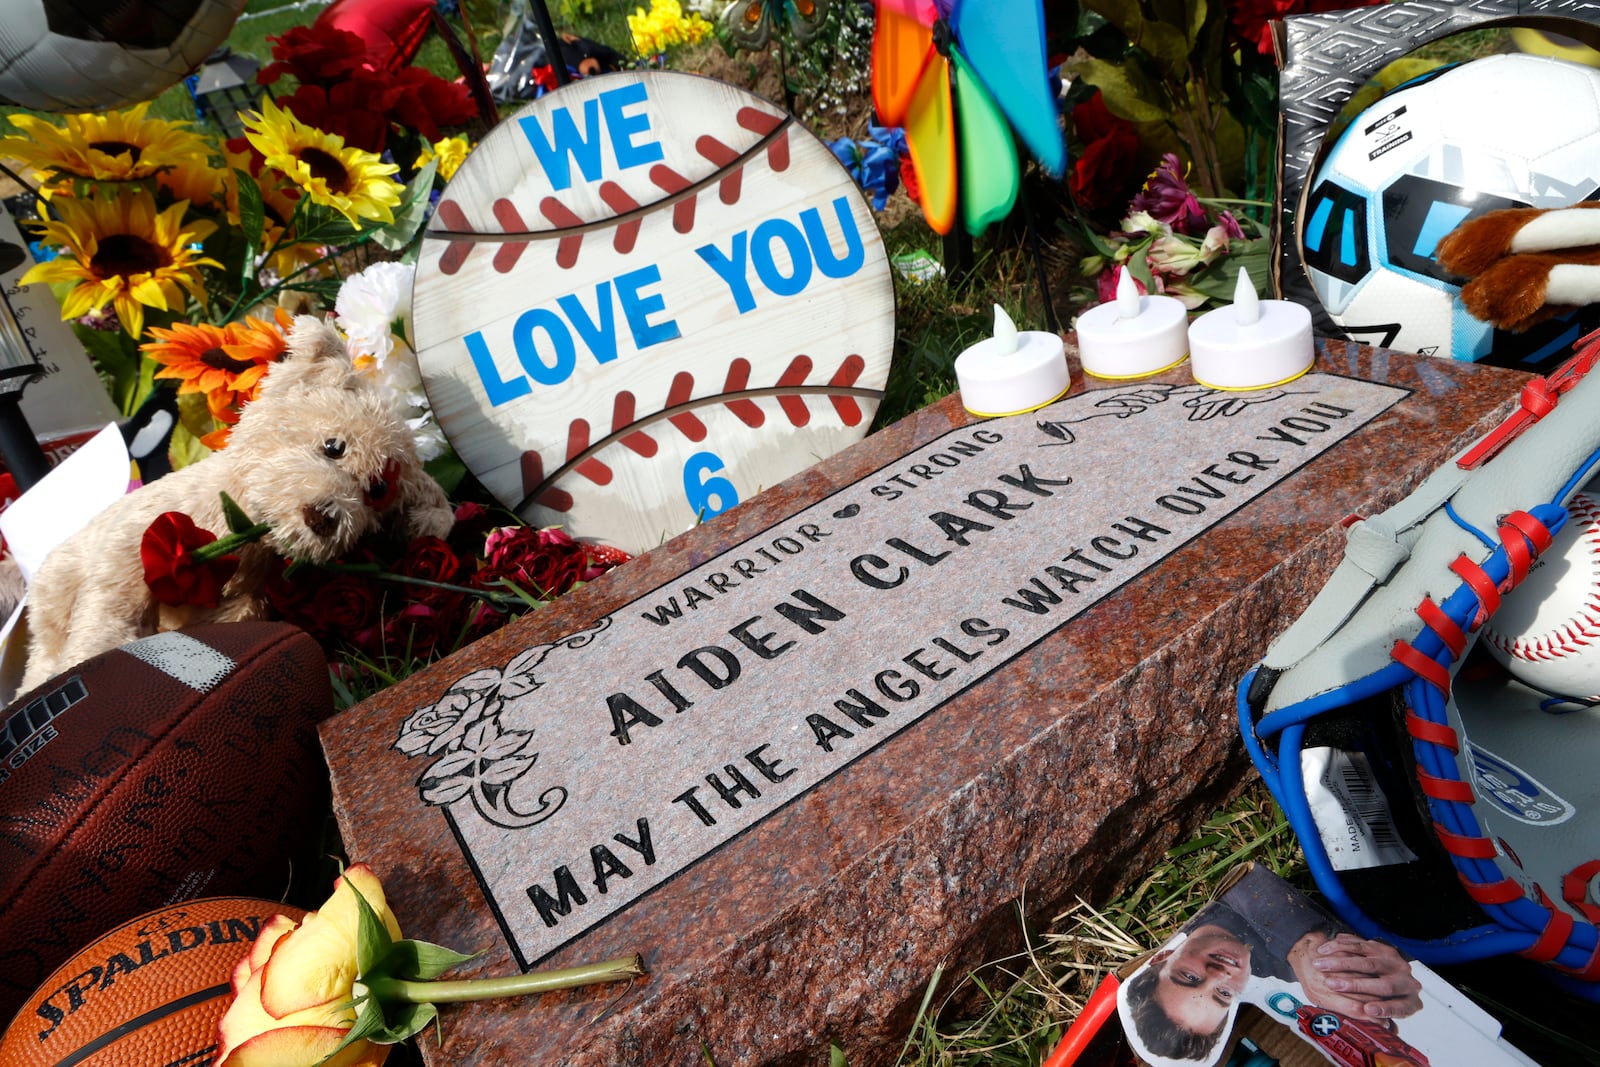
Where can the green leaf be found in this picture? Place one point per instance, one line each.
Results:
(836, 1056)
(1166, 42)
(185, 448)
(238, 521)
(117, 357)
(1128, 93)
(373, 940)
(448, 470)
(252, 211)
(405, 1021)
(369, 1020)
(413, 209)
(420, 961)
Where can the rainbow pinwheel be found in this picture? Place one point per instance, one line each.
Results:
(960, 75)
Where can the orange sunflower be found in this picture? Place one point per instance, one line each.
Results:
(226, 363)
(121, 251)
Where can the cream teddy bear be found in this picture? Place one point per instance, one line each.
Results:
(319, 455)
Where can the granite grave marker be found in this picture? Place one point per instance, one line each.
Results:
(801, 755)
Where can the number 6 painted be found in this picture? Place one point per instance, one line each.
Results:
(701, 487)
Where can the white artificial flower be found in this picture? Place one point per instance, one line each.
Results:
(370, 304)
(371, 307)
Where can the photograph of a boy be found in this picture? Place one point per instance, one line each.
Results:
(1179, 1007)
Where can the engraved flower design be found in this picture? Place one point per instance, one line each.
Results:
(479, 758)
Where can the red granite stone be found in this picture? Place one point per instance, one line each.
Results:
(1066, 774)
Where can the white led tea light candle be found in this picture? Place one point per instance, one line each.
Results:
(1133, 336)
(1253, 344)
(1012, 372)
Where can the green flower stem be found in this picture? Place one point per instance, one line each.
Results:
(503, 601)
(390, 990)
(231, 543)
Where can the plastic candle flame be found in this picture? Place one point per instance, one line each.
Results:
(1127, 296)
(1246, 304)
(1005, 332)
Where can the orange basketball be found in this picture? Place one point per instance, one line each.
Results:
(150, 992)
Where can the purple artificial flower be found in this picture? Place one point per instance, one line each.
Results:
(1167, 198)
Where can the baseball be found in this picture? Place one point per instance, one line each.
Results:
(1547, 631)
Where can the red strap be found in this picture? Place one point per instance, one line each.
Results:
(1502, 892)
(1470, 848)
(1518, 554)
(1424, 667)
(1434, 733)
(1482, 586)
(1454, 638)
(1449, 789)
(1575, 889)
(1538, 398)
(1529, 527)
(1552, 939)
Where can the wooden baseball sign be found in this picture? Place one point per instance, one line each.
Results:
(646, 297)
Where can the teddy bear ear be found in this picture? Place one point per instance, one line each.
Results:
(316, 358)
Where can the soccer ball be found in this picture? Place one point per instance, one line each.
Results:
(87, 55)
(1504, 131)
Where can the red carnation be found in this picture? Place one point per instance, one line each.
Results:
(172, 570)
(315, 55)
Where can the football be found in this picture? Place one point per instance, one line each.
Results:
(79, 55)
(152, 991)
(1503, 131)
(182, 765)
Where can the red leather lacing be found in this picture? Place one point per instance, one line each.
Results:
(1539, 398)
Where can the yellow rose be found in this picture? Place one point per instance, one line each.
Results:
(293, 994)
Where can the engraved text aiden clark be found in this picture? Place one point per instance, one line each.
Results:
(585, 772)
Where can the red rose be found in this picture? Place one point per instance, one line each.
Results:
(430, 558)
(1107, 168)
(473, 522)
(347, 603)
(543, 562)
(174, 574)
(416, 630)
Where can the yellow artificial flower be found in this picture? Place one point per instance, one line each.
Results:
(299, 1010)
(355, 183)
(109, 146)
(451, 152)
(194, 180)
(120, 251)
(665, 26)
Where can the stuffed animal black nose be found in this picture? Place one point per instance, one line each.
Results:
(318, 521)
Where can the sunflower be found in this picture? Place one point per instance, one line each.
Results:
(352, 182)
(112, 146)
(226, 363)
(194, 180)
(122, 252)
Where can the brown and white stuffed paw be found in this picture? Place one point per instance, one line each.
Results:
(1525, 265)
(320, 455)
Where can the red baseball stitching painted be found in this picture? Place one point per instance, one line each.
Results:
(643, 442)
(669, 181)
(1583, 628)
